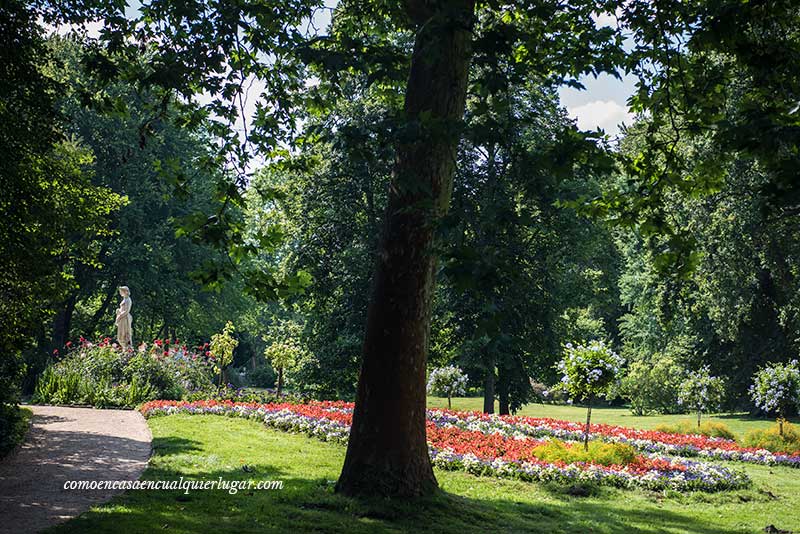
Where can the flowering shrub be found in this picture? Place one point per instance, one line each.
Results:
(479, 453)
(701, 393)
(776, 389)
(103, 374)
(448, 382)
(588, 372)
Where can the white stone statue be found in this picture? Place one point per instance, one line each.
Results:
(124, 320)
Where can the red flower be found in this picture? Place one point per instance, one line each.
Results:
(69, 344)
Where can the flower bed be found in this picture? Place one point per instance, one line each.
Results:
(474, 451)
(648, 441)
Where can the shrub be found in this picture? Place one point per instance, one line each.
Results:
(448, 382)
(231, 393)
(262, 377)
(12, 370)
(102, 374)
(597, 452)
(700, 392)
(776, 389)
(18, 423)
(712, 429)
(775, 439)
(652, 386)
(589, 371)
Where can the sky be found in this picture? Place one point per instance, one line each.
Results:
(603, 104)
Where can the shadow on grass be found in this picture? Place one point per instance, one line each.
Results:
(310, 505)
(746, 417)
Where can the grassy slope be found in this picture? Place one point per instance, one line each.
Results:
(212, 446)
(738, 423)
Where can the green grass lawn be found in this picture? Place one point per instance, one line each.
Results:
(213, 446)
(739, 423)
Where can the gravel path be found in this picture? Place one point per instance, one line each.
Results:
(69, 444)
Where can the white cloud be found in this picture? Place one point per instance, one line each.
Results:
(604, 114)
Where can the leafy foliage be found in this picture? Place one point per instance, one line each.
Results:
(221, 347)
(103, 375)
(652, 386)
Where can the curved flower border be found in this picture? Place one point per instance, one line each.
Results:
(473, 450)
(648, 441)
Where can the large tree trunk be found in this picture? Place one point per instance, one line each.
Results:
(488, 387)
(387, 453)
(502, 391)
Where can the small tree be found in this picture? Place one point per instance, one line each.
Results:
(447, 381)
(221, 347)
(282, 354)
(589, 371)
(776, 389)
(700, 392)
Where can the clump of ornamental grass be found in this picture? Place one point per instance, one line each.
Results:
(598, 452)
(773, 440)
(711, 429)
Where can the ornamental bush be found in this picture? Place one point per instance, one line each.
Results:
(779, 438)
(588, 372)
(776, 389)
(652, 386)
(447, 381)
(598, 452)
(712, 429)
(701, 393)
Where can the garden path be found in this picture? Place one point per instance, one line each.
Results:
(69, 444)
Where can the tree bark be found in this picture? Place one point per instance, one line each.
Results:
(502, 392)
(387, 453)
(588, 426)
(488, 388)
